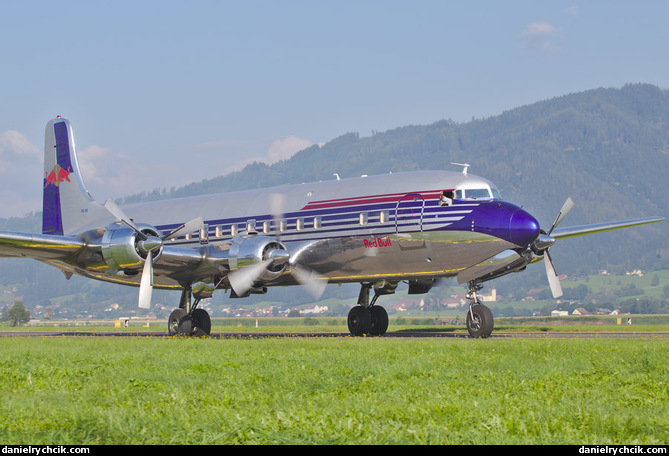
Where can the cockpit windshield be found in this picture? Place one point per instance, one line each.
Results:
(476, 193)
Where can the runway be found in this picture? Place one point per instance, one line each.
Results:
(392, 334)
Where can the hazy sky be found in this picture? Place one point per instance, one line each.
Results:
(164, 93)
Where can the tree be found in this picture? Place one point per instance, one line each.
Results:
(16, 315)
(49, 313)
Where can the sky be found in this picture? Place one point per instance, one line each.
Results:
(162, 93)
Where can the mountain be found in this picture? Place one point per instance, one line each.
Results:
(606, 148)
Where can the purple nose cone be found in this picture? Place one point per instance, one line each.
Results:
(523, 228)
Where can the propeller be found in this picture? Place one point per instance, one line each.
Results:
(313, 282)
(117, 212)
(544, 243)
(243, 279)
(149, 244)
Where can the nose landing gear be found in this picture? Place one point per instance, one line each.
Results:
(479, 320)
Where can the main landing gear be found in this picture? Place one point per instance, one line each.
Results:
(479, 320)
(366, 317)
(188, 320)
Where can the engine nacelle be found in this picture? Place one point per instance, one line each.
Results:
(122, 247)
(250, 251)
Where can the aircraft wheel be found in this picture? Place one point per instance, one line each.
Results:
(359, 321)
(201, 323)
(379, 321)
(479, 321)
(179, 323)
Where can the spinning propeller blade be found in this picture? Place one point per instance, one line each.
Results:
(242, 280)
(310, 279)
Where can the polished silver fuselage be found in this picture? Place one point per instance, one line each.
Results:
(388, 227)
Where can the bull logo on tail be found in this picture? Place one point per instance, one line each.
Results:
(56, 176)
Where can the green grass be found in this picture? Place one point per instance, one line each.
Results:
(333, 391)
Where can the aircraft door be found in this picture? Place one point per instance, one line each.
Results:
(409, 213)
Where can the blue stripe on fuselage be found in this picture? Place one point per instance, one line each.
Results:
(494, 218)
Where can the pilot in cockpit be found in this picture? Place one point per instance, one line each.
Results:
(446, 198)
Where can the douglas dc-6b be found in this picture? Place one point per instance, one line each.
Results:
(415, 227)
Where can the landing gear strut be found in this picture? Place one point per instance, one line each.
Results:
(479, 320)
(188, 320)
(366, 317)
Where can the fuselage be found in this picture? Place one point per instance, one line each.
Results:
(387, 227)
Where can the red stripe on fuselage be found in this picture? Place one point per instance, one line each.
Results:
(374, 199)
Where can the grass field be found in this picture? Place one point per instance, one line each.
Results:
(117, 390)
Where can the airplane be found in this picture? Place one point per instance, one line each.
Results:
(411, 227)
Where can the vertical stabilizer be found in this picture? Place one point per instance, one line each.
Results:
(67, 206)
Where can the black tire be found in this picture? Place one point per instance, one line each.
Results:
(379, 321)
(179, 323)
(201, 323)
(481, 325)
(359, 321)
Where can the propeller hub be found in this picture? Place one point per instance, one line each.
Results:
(149, 244)
(278, 256)
(543, 242)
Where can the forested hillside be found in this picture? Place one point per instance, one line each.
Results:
(606, 148)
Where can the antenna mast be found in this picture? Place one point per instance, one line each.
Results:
(464, 165)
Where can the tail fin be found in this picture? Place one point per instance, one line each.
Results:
(67, 206)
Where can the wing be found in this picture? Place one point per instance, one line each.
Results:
(573, 231)
(39, 246)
